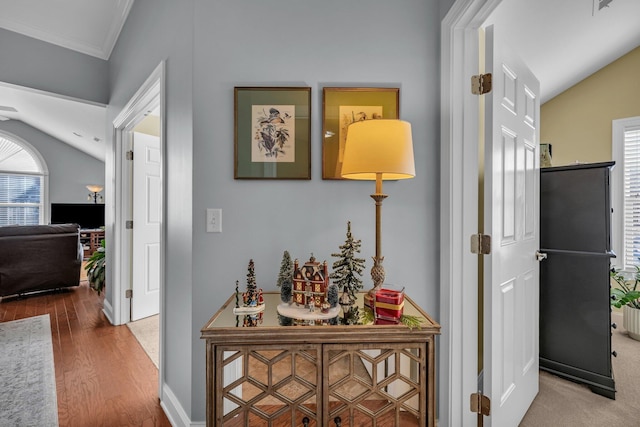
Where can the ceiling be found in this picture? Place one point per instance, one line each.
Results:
(91, 27)
(565, 41)
(562, 41)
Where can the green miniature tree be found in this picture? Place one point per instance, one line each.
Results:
(286, 270)
(347, 270)
(252, 287)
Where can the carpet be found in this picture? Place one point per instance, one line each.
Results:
(27, 375)
(564, 403)
(147, 332)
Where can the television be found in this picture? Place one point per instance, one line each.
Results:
(87, 215)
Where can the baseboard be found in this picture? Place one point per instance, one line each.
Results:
(173, 409)
(107, 309)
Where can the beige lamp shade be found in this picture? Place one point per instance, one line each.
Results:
(95, 188)
(379, 147)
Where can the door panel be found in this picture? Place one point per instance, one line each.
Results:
(146, 229)
(511, 282)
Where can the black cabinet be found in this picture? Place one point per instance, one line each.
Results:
(575, 314)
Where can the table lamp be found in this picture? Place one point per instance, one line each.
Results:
(378, 150)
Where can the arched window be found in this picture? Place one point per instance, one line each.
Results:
(23, 182)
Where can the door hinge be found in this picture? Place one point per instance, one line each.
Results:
(129, 155)
(128, 293)
(128, 225)
(481, 84)
(480, 244)
(480, 404)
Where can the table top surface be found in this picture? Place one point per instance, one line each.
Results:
(269, 319)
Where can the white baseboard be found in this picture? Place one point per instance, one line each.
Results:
(175, 413)
(107, 309)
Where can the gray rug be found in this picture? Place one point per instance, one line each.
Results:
(27, 375)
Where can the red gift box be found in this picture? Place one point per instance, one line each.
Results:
(389, 304)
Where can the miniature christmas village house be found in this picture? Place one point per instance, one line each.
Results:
(310, 283)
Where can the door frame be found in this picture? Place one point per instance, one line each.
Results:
(459, 127)
(149, 96)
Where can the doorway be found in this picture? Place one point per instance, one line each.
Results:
(143, 115)
(459, 214)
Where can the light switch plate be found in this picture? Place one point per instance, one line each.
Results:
(214, 220)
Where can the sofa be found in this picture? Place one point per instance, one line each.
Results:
(39, 257)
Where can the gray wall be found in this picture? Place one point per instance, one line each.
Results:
(316, 44)
(35, 64)
(210, 47)
(70, 170)
(159, 30)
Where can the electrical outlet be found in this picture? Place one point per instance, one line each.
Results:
(214, 220)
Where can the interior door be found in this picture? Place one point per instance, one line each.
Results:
(146, 226)
(511, 281)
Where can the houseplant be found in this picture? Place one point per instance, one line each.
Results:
(96, 269)
(626, 295)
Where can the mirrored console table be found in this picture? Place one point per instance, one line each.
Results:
(265, 369)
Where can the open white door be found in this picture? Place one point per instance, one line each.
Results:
(511, 280)
(146, 226)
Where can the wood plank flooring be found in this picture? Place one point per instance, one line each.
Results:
(103, 376)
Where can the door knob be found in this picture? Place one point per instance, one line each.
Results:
(540, 255)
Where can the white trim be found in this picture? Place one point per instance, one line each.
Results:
(175, 412)
(458, 355)
(618, 128)
(149, 96)
(45, 215)
(145, 98)
(107, 309)
(117, 18)
(52, 94)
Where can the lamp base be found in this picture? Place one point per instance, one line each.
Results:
(377, 275)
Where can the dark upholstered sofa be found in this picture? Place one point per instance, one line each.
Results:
(39, 257)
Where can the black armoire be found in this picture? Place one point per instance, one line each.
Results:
(575, 312)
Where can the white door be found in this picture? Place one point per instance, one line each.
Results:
(146, 226)
(511, 281)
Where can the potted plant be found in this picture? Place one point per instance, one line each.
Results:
(96, 269)
(626, 295)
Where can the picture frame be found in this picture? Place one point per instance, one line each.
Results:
(341, 106)
(272, 132)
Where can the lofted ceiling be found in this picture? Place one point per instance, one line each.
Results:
(565, 41)
(562, 41)
(90, 27)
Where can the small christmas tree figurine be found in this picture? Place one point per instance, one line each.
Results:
(286, 270)
(251, 277)
(251, 296)
(347, 270)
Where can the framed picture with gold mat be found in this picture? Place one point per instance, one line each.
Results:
(342, 106)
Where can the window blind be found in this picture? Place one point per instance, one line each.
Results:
(631, 183)
(20, 185)
(20, 199)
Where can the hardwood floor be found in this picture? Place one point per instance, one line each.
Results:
(103, 376)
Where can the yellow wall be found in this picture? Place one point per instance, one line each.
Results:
(578, 121)
(149, 125)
